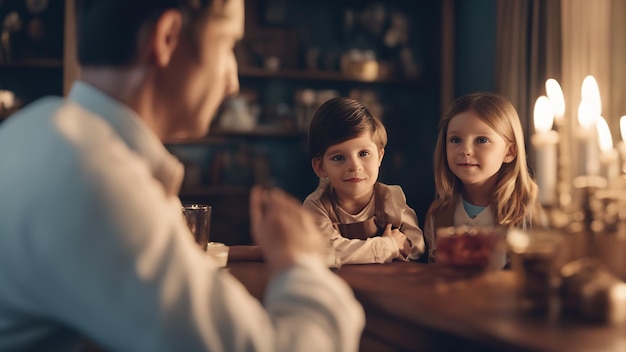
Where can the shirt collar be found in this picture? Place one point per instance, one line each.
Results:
(133, 131)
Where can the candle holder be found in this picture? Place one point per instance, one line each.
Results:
(563, 169)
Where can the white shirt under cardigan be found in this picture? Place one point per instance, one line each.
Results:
(92, 245)
(374, 249)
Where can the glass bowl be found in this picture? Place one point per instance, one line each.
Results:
(471, 247)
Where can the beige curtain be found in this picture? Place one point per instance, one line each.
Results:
(617, 85)
(528, 52)
(566, 40)
(594, 41)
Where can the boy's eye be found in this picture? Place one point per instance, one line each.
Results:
(364, 153)
(482, 140)
(337, 158)
(455, 140)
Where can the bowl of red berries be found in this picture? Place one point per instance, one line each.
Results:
(471, 247)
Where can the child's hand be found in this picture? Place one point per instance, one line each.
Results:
(399, 237)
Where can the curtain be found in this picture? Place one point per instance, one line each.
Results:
(617, 85)
(566, 40)
(528, 52)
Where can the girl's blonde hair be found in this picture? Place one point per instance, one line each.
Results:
(515, 196)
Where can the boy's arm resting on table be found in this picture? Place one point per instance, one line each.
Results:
(430, 237)
(123, 271)
(410, 228)
(396, 207)
(353, 251)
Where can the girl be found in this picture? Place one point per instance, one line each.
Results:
(481, 175)
(366, 221)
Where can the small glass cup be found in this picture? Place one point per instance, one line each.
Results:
(536, 258)
(198, 219)
(219, 252)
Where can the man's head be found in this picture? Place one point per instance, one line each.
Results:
(182, 48)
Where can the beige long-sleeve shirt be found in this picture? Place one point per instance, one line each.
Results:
(374, 249)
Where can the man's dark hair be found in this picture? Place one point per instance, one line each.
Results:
(108, 30)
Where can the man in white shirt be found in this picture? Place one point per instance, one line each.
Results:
(92, 242)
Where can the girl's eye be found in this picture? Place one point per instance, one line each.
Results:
(455, 140)
(482, 140)
(364, 153)
(337, 158)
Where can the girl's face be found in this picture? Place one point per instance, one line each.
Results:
(351, 167)
(475, 152)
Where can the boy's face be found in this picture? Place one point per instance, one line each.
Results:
(202, 72)
(351, 167)
(475, 151)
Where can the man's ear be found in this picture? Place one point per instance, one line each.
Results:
(511, 153)
(318, 166)
(381, 153)
(165, 36)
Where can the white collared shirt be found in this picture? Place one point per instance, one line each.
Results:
(92, 244)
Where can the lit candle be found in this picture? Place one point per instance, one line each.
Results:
(544, 141)
(608, 155)
(591, 93)
(587, 137)
(555, 95)
(588, 112)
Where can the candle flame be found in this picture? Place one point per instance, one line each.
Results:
(591, 94)
(605, 140)
(586, 116)
(555, 94)
(543, 115)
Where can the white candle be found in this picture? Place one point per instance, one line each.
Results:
(609, 160)
(544, 141)
(589, 110)
(564, 171)
(588, 140)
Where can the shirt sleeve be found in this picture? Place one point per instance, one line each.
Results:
(429, 237)
(353, 251)
(114, 261)
(396, 207)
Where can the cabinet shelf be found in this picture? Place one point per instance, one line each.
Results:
(217, 135)
(33, 63)
(207, 191)
(317, 75)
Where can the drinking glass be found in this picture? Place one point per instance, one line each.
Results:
(198, 219)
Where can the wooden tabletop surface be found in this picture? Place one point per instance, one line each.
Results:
(413, 306)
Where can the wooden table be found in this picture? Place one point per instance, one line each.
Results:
(413, 306)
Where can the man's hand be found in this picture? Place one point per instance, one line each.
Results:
(400, 238)
(282, 228)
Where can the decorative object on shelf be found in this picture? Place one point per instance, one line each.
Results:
(36, 6)
(7, 100)
(12, 23)
(32, 30)
(238, 115)
(360, 64)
